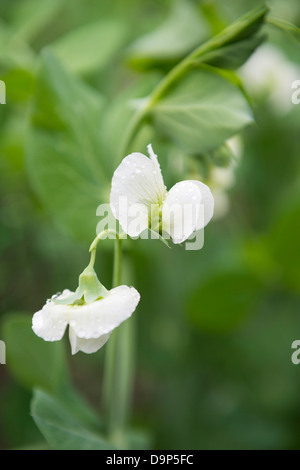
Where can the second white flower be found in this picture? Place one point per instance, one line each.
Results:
(139, 200)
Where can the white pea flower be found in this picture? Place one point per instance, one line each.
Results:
(139, 200)
(90, 323)
(221, 179)
(269, 73)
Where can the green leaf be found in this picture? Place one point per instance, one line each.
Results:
(285, 26)
(176, 110)
(70, 196)
(233, 55)
(91, 46)
(72, 401)
(233, 46)
(185, 28)
(32, 361)
(16, 421)
(182, 31)
(223, 301)
(65, 158)
(119, 113)
(243, 28)
(201, 111)
(14, 51)
(20, 84)
(31, 16)
(62, 429)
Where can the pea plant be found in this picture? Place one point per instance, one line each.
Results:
(84, 153)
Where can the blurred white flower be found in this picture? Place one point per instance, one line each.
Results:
(222, 203)
(221, 179)
(235, 144)
(139, 199)
(90, 324)
(269, 73)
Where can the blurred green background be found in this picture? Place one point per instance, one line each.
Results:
(214, 327)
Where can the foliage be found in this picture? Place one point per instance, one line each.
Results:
(215, 327)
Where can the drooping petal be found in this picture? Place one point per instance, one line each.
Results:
(180, 211)
(87, 346)
(136, 184)
(51, 321)
(102, 316)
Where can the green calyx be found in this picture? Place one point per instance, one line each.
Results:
(88, 290)
(90, 286)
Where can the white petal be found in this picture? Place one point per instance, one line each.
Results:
(181, 211)
(101, 317)
(87, 346)
(50, 322)
(207, 200)
(136, 184)
(188, 207)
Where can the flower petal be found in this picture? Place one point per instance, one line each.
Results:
(188, 207)
(136, 184)
(180, 211)
(102, 316)
(207, 200)
(67, 297)
(87, 346)
(50, 322)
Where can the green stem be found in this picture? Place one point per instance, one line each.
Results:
(118, 370)
(158, 91)
(100, 236)
(117, 269)
(93, 247)
(194, 58)
(93, 258)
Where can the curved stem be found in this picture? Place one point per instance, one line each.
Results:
(162, 86)
(95, 242)
(93, 258)
(100, 236)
